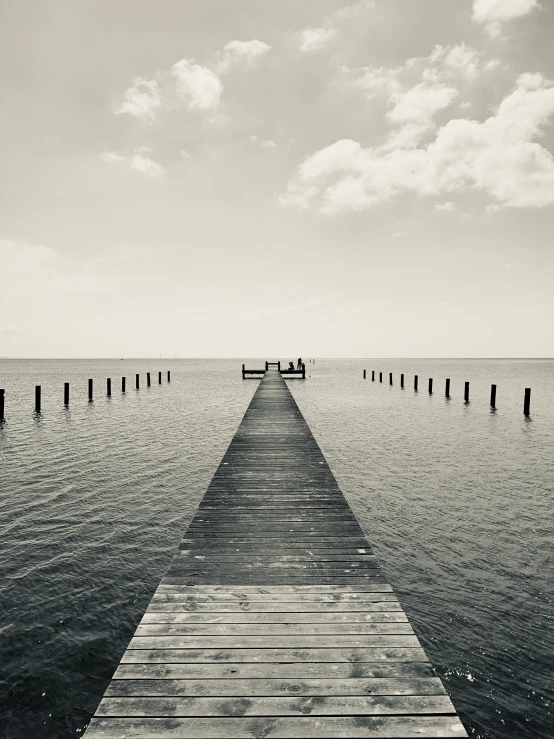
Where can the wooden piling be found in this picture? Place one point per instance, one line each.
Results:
(2, 397)
(160, 377)
(415, 382)
(66, 393)
(169, 375)
(137, 382)
(148, 379)
(37, 398)
(274, 618)
(90, 389)
(380, 377)
(527, 402)
(373, 375)
(109, 387)
(364, 374)
(402, 381)
(122, 384)
(466, 392)
(390, 378)
(430, 386)
(493, 396)
(303, 371)
(447, 388)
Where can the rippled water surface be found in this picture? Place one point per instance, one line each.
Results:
(457, 501)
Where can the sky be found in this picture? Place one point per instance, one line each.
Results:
(240, 178)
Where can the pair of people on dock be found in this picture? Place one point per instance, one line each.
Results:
(299, 365)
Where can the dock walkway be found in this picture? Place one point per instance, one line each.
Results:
(274, 618)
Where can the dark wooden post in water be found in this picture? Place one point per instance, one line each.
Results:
(122, 384)
(90, 389)
(390, 378)
(380, 377)
(66, 393)
(527, 402)
(109, 387)
(447, 388)
(137, 382)
(274, 583)
(466, 392)
(373, 375)
(169, 375)
(364, 374)
(430, 386)
(402, 381)
(266, 365)
(243, 368)
(2, 394)
(415, 383)
(493, 396)
(37, 398)
(148, 379)
(160, 377)
(303, 371)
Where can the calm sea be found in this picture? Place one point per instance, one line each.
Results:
(456, 499)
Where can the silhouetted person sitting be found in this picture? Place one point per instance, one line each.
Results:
(291, 365)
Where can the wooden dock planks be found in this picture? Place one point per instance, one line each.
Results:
(274, 618)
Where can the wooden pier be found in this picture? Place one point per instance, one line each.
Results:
(274, 618)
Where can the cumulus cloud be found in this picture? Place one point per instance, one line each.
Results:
(314, 39)
(415, 92)
(196, 87)
(236, 52)
(187, 84)
(141, 100)
(493, 14)
(139, 161)
(498, 157)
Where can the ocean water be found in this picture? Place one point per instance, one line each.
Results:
(457, 501)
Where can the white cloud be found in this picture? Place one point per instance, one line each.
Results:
(493, 14)
(139, 161)
(112, 157)
(420, 103)
(267, 144)
(240, 51)
(448, 207)
(416, 92)
(498, 157)
(197, 87)
(314, 39)
(142, 100)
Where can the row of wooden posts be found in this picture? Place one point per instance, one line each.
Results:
(38, 391)
(526, 399)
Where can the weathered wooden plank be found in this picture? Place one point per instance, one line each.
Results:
(259, 642)
(294, 596)
(277, 706)
(303, 727)
(278, 686)
(290, 671)
(316, 618)
(378, 653)
(271, 629)
(285, 608)
(252, 589)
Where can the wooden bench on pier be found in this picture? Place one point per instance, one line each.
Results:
(299, 373)
(274, 618)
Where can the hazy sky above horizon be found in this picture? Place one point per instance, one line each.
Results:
(246, 178)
